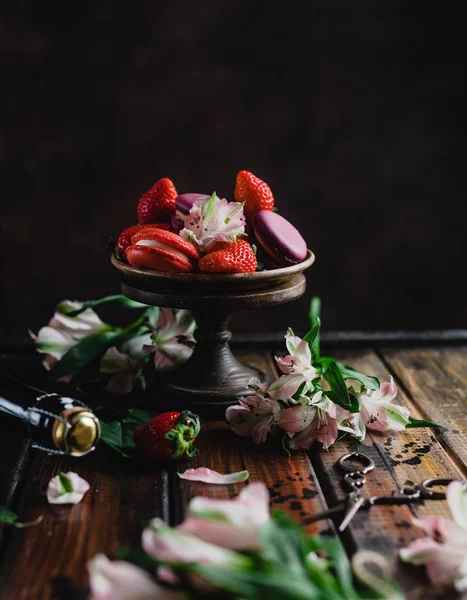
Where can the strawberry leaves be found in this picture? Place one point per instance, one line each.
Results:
(119, 434)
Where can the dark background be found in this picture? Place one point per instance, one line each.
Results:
(352, 111)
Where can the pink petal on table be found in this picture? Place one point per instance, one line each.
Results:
(208, 476)
(57, 495)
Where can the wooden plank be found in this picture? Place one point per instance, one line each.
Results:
(402, 459)
(14, 452)
(124, 496)
(437, 382)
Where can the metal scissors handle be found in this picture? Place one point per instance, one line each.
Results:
(354, 479)
(423, 491)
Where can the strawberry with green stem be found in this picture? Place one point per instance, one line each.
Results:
(168, 436)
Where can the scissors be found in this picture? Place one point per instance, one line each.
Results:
(355, 479)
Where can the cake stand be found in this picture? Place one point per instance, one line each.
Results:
(212, 378)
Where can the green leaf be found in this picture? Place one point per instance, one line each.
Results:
(112, 435)
(315, 320)
(119, 434)
(10, 518)
(421, 423)
(85, 351)
(94, 347)
(340, 563)
(210, 206)
(66, 484)
(116, 299)
(312, 339)
(270, 585)
(6, 516)
(370, 382)
(282, 541)
(339, 393)
(152, 315)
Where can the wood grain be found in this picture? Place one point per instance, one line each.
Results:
(125, 495)
(402, 459)
(437, 382)
(122, 499)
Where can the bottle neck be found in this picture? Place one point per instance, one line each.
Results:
(56, 424)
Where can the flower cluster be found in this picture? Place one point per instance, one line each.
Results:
(212, 219)
(444, 550)
(77, 344)
(313, 401)
(229, 549)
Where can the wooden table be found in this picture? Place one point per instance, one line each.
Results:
(49, 560)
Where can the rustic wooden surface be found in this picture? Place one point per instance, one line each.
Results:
(49, 560)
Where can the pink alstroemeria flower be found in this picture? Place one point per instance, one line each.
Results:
(320, 420)
(377, 411)
(123, 370)
(444, 550)
(211, 220)
(254, 415)
(177, 546)
(121, 580)
(172, 340)
(232, 524)
(63, 332)
(297, 368)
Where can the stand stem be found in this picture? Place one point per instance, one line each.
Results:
(212, 376)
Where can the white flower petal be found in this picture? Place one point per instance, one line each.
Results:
(120, 580)
(297, 418)
(456, 495)
(57, 495)
(114, 361)
(173, 545)
(209, 476)
(211, 220)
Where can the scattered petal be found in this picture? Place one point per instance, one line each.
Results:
(209, 476)
(66, 488)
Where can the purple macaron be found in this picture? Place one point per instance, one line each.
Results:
(281, 241)
(184, 202)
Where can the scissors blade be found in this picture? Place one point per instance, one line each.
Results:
(354, 503)
(326, 513)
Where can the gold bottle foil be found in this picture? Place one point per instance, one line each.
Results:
(81, 434)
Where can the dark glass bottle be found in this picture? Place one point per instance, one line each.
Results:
(56, 424)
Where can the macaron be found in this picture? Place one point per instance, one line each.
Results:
(124, 239)
(161, 250)
(184, 202)
(281, 241)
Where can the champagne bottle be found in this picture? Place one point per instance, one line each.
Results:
(56, 424)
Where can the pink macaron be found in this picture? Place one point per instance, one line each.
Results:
(161, 250)
(281, 242)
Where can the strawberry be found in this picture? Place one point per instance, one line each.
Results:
(253, 192)
(124, 239)
(168, 436)
(229, 257)
(158, 203)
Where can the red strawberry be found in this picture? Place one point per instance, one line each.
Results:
(254, 192)
(229, 257)
(124, 239)
(158, 203)
(170, 435)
